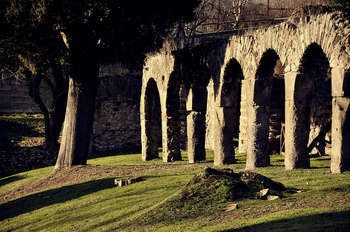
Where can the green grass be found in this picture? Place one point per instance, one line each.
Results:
(98, 206)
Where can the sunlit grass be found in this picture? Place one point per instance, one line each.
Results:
(18, 180)
(98, 206)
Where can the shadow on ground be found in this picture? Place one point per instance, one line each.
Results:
(10, 179)
(325, 222)
(12, 132)
(50, 197)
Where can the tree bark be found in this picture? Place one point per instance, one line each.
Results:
(60, 100)
(77, 128)
(50, 141)
(79, 115)
(53, 118)
(78, 122)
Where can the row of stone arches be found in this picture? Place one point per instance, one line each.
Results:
(280, 88)
(303, 99)
(266, 98)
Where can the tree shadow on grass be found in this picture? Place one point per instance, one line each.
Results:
(325, 222)
(12, 132)
(39, 200)
(10, 179)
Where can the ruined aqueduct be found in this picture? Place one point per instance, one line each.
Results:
(224, 82)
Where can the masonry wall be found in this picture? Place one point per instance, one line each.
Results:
(14, 96)
(117, 120)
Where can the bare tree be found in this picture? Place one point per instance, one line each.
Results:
(210, 17)
(238, 6)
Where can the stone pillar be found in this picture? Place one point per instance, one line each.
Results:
(224, 129)
(196, 136)
(144, 141)
(258, 109)
(340, 158)
(242, 146)
(297, 120)
(148, 140)
(196, 107)
(226, 121)
(171, 138)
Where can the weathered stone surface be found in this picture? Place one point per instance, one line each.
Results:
(197, 99)
(14, 95)
(171, 139)
(231, 207)
(262, 194)
(258, 125)
(340, 82)
(126, 181)
(243, 124)
(196, 136)
(261, 53)
(117, 121)
(297, 121)
(272, 197)
(340, 157)
(223, 148)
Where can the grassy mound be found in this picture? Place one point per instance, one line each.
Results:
(210, 191)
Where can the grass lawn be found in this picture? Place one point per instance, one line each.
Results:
(92, 203)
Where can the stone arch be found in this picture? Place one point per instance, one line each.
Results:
(196, 106)
(172, 125)
(309, 102)
(290, 39)
(152, 122)
(259, 107)
(227, 113)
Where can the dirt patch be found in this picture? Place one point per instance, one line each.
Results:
(79, 174)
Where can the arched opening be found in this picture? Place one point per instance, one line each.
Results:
(265, 110)
(277, 109)
(312, 107)
(171, 150)
(228, 114)
(315, 66)
(153, 122)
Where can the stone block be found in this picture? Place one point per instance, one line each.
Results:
(340, 158)
(127, 181)
(224, 131)
(196, 136)
(197, 99)
(289, 82)
(340, 82)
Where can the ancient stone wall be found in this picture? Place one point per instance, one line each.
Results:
(117, 120)
(303, 51)
(14, 96)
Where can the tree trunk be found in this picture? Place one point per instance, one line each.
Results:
(50, 140)
(77, 128)
(78, 122)
(60, 100)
